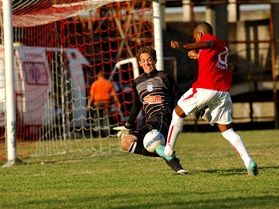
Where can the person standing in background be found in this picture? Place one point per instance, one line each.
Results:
(101, 96)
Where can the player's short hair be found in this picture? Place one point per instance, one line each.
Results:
(148, 50)
(205, 27)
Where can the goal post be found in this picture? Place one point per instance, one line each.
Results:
(9, 83)
(158, 36)
(63, 44)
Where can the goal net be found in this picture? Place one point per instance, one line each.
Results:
(59, 46)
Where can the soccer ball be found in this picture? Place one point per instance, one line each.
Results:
(152, 140)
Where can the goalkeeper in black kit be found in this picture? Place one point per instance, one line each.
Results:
(155, 94)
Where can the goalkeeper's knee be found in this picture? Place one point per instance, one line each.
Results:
(127, 142)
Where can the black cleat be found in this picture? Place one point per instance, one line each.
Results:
(175, 165)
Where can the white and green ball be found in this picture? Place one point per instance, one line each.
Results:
(152, 140)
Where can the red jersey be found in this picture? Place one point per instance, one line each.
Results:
(213, 66)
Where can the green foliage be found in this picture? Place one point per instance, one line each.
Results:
(217, 178)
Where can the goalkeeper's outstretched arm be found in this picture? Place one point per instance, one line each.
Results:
(137, 105)
(123, 131)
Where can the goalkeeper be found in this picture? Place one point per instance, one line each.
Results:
(155, 96)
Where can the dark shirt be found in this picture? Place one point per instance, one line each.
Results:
(153, 93)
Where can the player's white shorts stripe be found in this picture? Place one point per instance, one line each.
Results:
(219, 103)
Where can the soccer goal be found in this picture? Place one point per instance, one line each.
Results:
(59, 46)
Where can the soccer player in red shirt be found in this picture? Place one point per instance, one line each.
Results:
(210, 90)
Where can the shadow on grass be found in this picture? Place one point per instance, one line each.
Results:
(143, 201)
(226, 172)
(237, 171)
(228, 203)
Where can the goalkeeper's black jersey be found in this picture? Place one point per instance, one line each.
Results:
(153, 93)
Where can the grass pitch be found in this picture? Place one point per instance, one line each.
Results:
(217, 178)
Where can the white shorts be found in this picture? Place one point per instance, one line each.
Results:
(219, 104)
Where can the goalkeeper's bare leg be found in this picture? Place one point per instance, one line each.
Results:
(131, 144)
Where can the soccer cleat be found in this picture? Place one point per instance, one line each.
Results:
(252, 168)
(181, 172)
(176, 166)
(160, 151)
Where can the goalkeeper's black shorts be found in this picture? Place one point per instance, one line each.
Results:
(160, 121)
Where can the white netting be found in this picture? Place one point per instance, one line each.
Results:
(27, 13)
(63, 44)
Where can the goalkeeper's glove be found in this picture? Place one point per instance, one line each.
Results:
(123, 131)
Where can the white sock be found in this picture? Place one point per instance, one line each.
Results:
(238, 145)
(133, 147)
(174, 130)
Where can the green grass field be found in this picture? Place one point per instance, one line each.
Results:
(217, 178)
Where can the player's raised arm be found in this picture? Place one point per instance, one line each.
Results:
(199, 45)
(190, 46)
(176, 44)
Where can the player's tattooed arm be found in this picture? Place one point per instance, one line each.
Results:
(176, 44)
(199, 45)
(190, 46)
